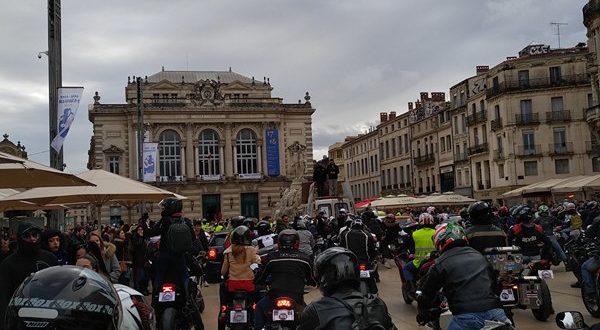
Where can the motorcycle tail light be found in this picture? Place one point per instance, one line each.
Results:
(168, 287)
(237, 307)
(254, 306)
(362, 267)
(515, 287)
(284, 302)
(223, 308)
(212, 254)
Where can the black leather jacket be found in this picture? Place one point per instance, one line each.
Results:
(531, 240)
(361, 243)
(485, 236)
(289, 271)
(548, 223)
(162, 229)
(467, 280)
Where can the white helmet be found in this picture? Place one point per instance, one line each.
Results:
(135, 311)
(342, 210)
(431, 210)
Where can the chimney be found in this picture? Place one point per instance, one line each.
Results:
(392, 115)
(424, 96)
(383, 117)
(438, 97)
(508, 58)
(410, 105)
(417, 104)
(482, 69)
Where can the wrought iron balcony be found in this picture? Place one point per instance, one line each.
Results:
(499, 154)
(561, 148)
(461, 156)
(478, 149)
(554, 116)
(478, 117)
(592, 116)
(425, 159)
(592, 147)
(529, 151)
(538, 83)
(527, 119)
(496, 124)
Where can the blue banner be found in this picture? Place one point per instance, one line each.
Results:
(272, 152)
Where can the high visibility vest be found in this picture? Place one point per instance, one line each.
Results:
(423, 244)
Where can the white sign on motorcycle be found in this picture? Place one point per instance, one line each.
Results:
(238, 317)
(365, 274)
(166, 296)
(546, 274)
(507, 295)
(283, 315)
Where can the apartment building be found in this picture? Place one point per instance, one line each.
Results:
(459, 94)
(591, 20)
(395, 151)
(361, 164)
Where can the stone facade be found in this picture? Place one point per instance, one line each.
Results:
(361, 164)
(394, 148)
(223, 140)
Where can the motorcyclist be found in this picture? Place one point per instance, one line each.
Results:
(287, 270)
(422, 241)
(359, 240)
(265, 238)
(571, 220)
(237, 261)
(391, 229)
(466, 280)
(233, 224)
(337, 274)
(307, 241)
(505, 218)
(591, 212)
(528, 236)
(548, 223)
(590, 266)
(483, 234)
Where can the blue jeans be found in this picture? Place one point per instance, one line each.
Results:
(557, 248)
(475, 321)
(588, 269)
(409, 271)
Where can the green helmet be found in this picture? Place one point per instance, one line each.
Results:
(543, 209)
(447, 234)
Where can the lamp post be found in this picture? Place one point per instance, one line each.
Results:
(54, 82)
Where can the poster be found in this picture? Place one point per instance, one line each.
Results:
(68, 103)
(150, 154)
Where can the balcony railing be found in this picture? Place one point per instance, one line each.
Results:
(553, 116)
(496, 124)
(424, 159)
(592, 147)
(461, 156)
(478, 117)
(499, 154)
(478, 149)
(546, 82)
(158, 102)
(527, 119)
(561, 148)
(173, 178)
(529, 150)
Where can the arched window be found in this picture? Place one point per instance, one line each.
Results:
(208, 153)
(169, 154)
(246, 152)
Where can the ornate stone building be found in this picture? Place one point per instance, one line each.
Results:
(10, 148)
(591, 20)
(395, 152)
(223, 140)
(362, 164)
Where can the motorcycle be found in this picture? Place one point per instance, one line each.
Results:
(367, 278)
(238, 313)
(572, 321)
(592, 305)
(174, 309)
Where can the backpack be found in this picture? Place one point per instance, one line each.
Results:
(179, 236)
(368, 311)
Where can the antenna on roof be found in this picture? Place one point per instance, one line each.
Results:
(558, 24)
(163, 68)
(187, 63)
(229, 69)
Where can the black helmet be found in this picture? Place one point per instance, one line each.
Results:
(357, 223)
(66, 297)
(334, 267)
(288, 239)
(464, 213)
(249, 222)
(170, 206)
(241, 236)
(263, 228)
(523, 214)
(301, 224)
(480, 213)
(237, 221)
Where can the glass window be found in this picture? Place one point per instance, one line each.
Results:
(501, 171)
(443, 143)
(459, 178)
(526, 110)
(246, 152)
(561, 166)
(560, 137)
(448, 143)
(208, 153)
(497, 111)
(523, 78)
(555, 75)
(113, 164)
(596, 164)
(528, 141)
(557, 104)
(169, 154)
(530, 168)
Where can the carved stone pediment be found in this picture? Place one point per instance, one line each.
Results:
(114, 150)
(207, 92)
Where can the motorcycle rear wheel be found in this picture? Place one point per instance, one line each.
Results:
(405, 295)
(545, 310)
(169, 319)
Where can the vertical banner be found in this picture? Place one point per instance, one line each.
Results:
(272, 152)
(150, 152)
(68, 103)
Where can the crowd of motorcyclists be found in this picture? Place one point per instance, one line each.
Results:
(271, 260)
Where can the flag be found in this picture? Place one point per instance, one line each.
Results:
(68, 103)
(150, 152)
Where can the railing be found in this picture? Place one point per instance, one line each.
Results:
(592, 113)
(496, 124)
(546, 82)
(529, 150)
(215, 177)
(478, 117)
(592, 147)
(499, 154)
(561, 148)
(478, 149)
(157, 102)
(564, 115)
(527, 119)
(172, 178)
(461, 156)
(425, 159)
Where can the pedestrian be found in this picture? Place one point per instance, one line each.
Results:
(282, 224)
(320, 177)
(122, 242)
(52, 241)
(332, 177)
(4, 246)
(138, 251)
(107, 252)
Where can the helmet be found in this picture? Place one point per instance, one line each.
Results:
(448, 234)
(569, 207)
(241, 236)
(523, 214)
(301, 224)
(237, 221)
(431, 210)
(426, 219)
(170, 206)
(136, 312)
(249, 222)
(503, 211)
(357, 223)
(342, 211)
(592, 205)
(77, 298)
(480, 213)
(543, 209)
(336, 266)
(263, 228)
(443, 217)
(288, 239)
(464, 213)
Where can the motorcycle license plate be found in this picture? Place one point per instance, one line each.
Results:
(365, 274)
(166, 296)
(507, 295)
(546, 274)
(238, 317)
(283, 315)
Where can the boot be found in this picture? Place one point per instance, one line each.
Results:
(576, 285)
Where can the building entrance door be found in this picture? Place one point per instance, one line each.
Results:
(249, 205)
(211, 206)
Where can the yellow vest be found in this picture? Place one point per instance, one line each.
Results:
(423, 244)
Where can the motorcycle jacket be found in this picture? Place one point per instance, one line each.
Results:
(307, 241)
(423, 240)
(289, 271)
(547, 222)
(531, 240)
(361, 243)
(485, 236)
(467, 280)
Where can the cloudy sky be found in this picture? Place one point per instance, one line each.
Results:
(356, 58)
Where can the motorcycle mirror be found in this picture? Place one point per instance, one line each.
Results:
(419, 293)
(570, 320)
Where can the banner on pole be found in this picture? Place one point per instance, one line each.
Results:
(68, 103)
(150, 153)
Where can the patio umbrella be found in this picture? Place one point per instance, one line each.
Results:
(578, 184)
(16, 172)
(109, 188)
(364, 203)
(449, 198)
(393, 201)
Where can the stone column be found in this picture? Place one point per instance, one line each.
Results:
(183, 158)
(228, 154)
(189, 156)
(221, 157)
(259, 153)
(234, 160)
(196, 160)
